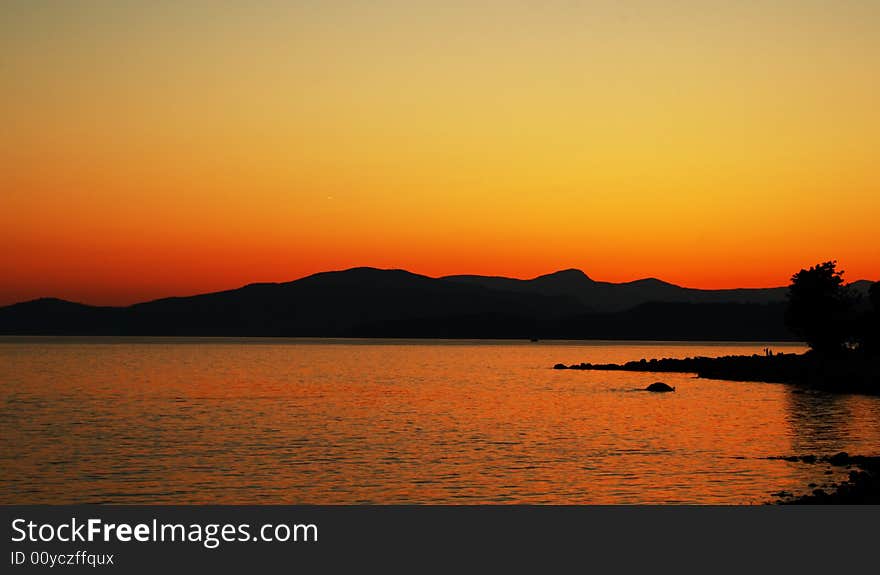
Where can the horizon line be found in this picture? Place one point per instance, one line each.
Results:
(397, 269)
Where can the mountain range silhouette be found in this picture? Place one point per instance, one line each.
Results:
(370, 302)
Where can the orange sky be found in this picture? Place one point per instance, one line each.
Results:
(151, 149)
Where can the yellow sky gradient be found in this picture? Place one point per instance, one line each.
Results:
(159, 148)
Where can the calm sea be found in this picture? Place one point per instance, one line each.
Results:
(138, 420)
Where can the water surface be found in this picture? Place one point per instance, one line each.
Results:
(140, 420)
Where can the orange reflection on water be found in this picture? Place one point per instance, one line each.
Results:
(294, 421)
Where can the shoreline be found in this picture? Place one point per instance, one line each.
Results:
(861, 487)
(847, 374)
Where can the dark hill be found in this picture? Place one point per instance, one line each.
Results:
(611, 297)
(368, 302)
(55, 316)
(360, 301)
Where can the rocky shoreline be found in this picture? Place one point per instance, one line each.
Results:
(848, 374)
(862, 487)
(852, 374)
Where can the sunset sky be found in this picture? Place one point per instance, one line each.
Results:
(168, 148)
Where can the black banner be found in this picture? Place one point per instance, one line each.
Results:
(232, 539)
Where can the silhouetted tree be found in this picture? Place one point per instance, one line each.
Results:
(818, 306)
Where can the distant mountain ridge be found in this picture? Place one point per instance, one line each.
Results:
(370, 302)
(609, 297)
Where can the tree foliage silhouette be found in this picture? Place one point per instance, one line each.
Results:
(818, 306)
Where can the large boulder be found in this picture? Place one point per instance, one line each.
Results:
(659, 387)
